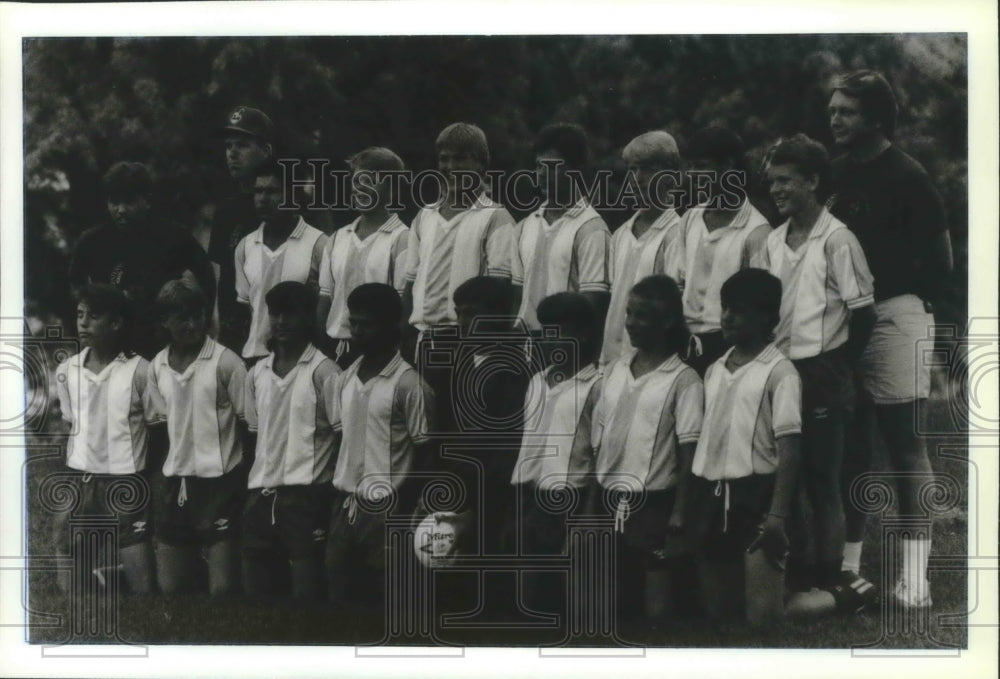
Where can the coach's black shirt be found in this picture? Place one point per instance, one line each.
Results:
(234, 218)
(892, 207)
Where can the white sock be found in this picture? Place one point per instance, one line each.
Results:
(852, 557)
(915, 555)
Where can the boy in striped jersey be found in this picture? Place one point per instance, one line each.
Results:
(371, 249)
(718, 237)
(825, 322)
(103, 394)
(554, 471)
(644, 244)
(381, 407)
(283, 248)
(646, 425)
(197, 387)
(746, 462)
(287, 404)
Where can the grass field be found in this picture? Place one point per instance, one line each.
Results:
(190, 619)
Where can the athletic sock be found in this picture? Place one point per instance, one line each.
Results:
(915, 555)
(852, 557)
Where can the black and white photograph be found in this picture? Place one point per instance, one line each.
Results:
(627, 340)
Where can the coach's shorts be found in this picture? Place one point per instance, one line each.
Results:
(891, 369)
(719, 535)
(190, 509)
(122, 499)
(827, 380)
(293, 519)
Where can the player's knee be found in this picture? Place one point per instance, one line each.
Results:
(137, 565)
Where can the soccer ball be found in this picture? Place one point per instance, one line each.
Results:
(435, 541)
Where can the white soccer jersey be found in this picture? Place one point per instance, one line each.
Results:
(821, 282)
(349, 262)
(295, 439)
(705, 260)
(638, 424)
(443, 254)
(746, 412)
(568, 255)
(109, 412)
(382, 421)
(556, 446)
(631, 260)
(258, 269)
(200, 406)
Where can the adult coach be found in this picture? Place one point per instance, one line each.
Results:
(887, 199)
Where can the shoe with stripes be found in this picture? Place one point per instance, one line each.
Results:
(853, 593)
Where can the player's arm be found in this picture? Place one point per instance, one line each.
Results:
(685, 455)
(854, 282)
(859, 331)
(315, 260)
(689, 414)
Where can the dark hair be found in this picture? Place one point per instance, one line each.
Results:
(293, 296)
(106, 299)
(875, 96)
(179, 296)
(492, 291)
(568, 140)
(272, 168)
(378, 299)
(574, 310)
(754, 289)
(807, 155)
(717, 143)
(663, 289)
(126, 180)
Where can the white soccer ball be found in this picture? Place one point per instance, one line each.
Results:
(435, 541)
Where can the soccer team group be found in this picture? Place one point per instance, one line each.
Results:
(709, 384)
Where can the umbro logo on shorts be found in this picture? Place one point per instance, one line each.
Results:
(319, 534)
(139, 527)
(221, 524)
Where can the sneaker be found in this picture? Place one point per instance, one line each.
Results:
(911, 597)
(853, 593)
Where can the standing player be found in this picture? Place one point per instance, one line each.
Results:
(887, 200)
(826, 319)
(644, 244)
(719, 237)
(464, 234)
(103, 393)
(287, 410)
(138, 252)
(197, 386)
(371, 249)
(381, 406)
(249, 138)
(646, 425)
(282, 248)
(562, 246)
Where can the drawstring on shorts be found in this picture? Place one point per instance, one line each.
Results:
(182, 495)
(622, 512)
(720, 488)
(267, 492)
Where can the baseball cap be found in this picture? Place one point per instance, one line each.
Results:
(250, 121)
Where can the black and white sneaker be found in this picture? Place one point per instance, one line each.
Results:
(853, 593)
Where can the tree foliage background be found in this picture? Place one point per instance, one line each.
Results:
(91, 102)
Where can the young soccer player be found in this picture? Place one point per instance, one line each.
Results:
(719, 236)
(103, 394)
(371, 249)
(464, 234)
(287, 405)
(646, 425)
(644, 244)
(197, 386)
(562, 246)
(381, 407)
(889, 202)
(556, 455)
(283, 248)
(746, 462)
(826, 319)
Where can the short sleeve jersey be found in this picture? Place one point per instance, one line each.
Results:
(109, 412)
(746, 412)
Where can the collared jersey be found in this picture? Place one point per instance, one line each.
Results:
(382, 420)
(258, 269)
(295, 439)
(821, 283)
(568, 255)
(631, 260)
(706, 259)
(638, 423)
(443, 254)
(746, 412)
(109, 412)
(200, 406)
(556, 449)
(349, 262)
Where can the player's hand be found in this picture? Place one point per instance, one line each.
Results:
(773, 541)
